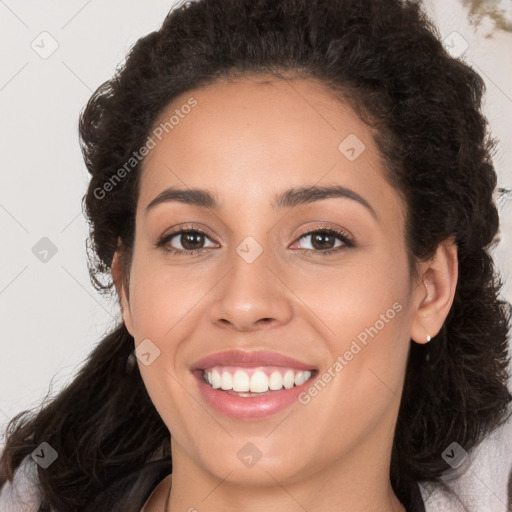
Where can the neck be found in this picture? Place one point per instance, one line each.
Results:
(347, 488)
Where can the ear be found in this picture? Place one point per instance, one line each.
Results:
(122, 287)
(434, 292)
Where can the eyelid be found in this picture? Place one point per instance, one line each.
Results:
(322, 226)
(179, 228)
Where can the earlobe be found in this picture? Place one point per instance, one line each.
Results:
(121, 284)
(435, 292)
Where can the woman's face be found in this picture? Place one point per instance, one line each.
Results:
(261, 276)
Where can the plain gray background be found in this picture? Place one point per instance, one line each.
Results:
(51, 316)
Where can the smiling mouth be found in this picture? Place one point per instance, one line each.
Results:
(257, 381)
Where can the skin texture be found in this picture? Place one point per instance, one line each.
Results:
(246, 142)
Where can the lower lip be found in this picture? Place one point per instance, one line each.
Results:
(251, 407)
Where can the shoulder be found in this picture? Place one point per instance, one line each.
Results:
(440, 499)
(480, 483)
(157, 499)
(22, 494)
(128, 493)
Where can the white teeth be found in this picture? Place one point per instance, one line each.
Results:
(275, 380)
(289, 379)
(240, 381)
(226, 381)
(215, 379)
(258, 382)
(299, 378)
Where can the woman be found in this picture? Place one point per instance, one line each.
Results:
(294, 201)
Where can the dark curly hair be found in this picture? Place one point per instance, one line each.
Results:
(383, 57)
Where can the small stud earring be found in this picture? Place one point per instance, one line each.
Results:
(428, 337)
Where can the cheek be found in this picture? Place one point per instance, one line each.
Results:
(162, 301)
(367, 312)
(369, 291)
(161, 297)
(363, 313)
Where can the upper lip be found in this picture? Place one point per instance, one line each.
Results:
(249, 360)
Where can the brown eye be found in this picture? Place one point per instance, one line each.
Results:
(191, 240)
(322, 241)
(184, 241)
(326, 241)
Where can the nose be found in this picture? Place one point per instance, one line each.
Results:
(251, 296)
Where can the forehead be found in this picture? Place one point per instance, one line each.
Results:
(253, 137)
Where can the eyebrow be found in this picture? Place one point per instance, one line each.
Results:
(288, 199)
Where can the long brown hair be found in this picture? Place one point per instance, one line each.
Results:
(383, 57)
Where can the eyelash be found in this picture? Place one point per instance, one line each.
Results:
(342, 235)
